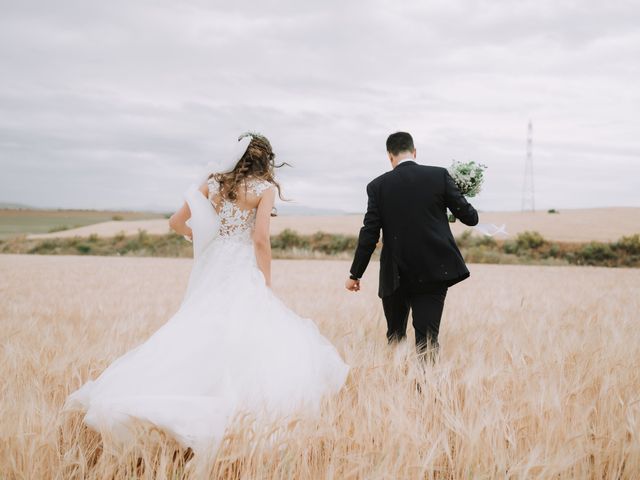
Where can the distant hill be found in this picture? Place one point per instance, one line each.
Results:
(16, 206)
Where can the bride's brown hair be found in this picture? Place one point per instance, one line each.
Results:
(257, 162)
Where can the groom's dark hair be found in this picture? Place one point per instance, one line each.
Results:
(399, 142)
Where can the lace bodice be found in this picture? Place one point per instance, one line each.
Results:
(236, 222)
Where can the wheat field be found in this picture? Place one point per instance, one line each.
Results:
(538, 376)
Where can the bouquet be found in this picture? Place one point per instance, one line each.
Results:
(469, 177)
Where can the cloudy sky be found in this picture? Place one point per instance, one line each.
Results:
(117, 104)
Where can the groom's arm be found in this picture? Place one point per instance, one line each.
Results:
(457, 203)
(369, 235)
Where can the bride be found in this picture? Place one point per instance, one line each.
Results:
(232, 345)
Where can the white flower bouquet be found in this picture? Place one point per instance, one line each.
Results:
(469, 177)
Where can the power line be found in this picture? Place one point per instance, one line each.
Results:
(528, 192)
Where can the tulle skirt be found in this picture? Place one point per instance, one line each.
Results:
(231, 346)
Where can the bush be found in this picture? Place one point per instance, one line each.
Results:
(630, 245)
(554, 250)
(526, 248)
(525, 244)
(117, 218)
(93, 238)
(529, 240)
(143, 237)
(464, 240)
(552, 210)
(332, 244)
(132, 245)
(480, 254)
(467, 240)
(289, 239)
(595, 253)
(45, 247)
(486, 241)
(510, 247)
(58, 228)
(83, 248)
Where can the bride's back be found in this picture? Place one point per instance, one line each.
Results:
(247, 194)
(237, 215)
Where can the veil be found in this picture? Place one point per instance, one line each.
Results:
(204, 221)
(227, 160)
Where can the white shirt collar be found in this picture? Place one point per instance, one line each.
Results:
(410, 159)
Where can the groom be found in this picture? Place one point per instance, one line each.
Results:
(419, 258)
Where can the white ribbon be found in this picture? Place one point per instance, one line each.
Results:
(491, 230)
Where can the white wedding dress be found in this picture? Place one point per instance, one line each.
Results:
(232, 345)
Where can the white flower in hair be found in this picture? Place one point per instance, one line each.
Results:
(253, 134)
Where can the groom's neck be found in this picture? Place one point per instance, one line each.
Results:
(400, 158)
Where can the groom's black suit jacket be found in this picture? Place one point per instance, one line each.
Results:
(409, 204)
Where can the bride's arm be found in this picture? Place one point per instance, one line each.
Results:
(178, 220)
(261, 235)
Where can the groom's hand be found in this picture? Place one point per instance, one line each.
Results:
(352, 285)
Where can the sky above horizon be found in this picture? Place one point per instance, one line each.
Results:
(120, 104)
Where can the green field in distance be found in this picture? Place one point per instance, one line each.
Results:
(14, 222)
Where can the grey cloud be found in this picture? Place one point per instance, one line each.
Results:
(117, 104)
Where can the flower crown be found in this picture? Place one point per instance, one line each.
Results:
(258, 136)
(255, 135)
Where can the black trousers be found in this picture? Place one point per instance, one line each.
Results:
(426, 307)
